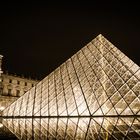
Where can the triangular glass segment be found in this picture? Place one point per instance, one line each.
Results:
(112, 112)
(90, 96)
(127, 111)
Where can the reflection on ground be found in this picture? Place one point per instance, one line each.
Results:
(5, 133)
(79, 128)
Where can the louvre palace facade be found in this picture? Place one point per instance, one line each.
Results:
(94, 95)
(12, 87)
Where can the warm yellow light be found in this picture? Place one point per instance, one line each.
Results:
(1, 125)
(2, 108)
(120, 122)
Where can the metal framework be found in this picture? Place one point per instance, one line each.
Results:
(93, 95)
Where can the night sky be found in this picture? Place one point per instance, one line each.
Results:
(36, 38)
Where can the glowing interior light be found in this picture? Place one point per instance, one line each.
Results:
(1, 125)
(100, 120)
(120, 122)
(2, 108)
(75, 89)
(127, 111)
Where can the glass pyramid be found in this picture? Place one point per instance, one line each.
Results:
(93, 95)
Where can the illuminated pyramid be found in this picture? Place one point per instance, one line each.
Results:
(97, 81)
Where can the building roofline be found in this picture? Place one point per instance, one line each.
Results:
(22, 77)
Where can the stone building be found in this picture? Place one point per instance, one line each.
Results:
(12, 87)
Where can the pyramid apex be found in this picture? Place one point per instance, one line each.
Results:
(100, 35)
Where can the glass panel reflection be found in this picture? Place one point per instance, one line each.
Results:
(94, 128)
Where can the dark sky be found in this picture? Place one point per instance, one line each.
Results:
(36, 38)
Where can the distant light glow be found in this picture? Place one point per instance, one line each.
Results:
(1, 125)
(2, 108)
